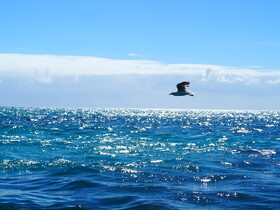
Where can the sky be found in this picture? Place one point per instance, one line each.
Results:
(131, 54)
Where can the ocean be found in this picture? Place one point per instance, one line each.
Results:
(62, 158)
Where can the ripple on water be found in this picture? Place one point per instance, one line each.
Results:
(138, 159)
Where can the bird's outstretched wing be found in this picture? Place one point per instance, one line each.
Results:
(182, 86)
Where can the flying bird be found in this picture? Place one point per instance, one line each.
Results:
(181, 89)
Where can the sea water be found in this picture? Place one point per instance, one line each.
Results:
(139, 159)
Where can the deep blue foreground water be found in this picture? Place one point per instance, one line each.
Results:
(139, 159)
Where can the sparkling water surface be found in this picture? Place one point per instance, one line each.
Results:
(139, 159)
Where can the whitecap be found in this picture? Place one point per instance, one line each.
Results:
(156, 161)
(127, 170)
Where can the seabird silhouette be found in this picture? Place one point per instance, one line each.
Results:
(182, 89)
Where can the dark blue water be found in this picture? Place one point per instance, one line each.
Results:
(139, 159)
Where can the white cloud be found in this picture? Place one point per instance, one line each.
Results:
(276, 81)
(100, 82)
(236, 75)
(43, 76)
(132, 54)
(44, 68)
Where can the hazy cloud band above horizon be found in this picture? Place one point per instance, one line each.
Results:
(46, 67)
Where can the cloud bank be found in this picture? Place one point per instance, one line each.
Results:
(44, 68)
(80, 81)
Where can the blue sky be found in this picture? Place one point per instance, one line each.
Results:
(124, 53)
